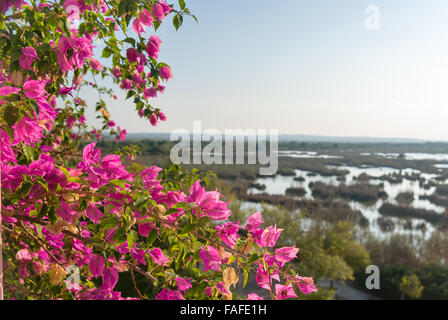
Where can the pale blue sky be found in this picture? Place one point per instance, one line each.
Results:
(306, 67)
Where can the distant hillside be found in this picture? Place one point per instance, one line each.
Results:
(311, 138)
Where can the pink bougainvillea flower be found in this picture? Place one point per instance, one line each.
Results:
(27, 58)
(65, 90)
(23, 272)
(66, 212)
(149, 177)
(209, 202)
(150, 93)
(110, 279)
(166, 8)
(264, 278)
(132, 55)
(139, 255)
(254, 221)
(95, 64)
(165, 72)
(45, 167)
(160, 10)
(159, 257)
(6, 91)
(47, 114)
(113, 168)
(183, 284)
(72, 52)
(211, 258)
(168, 294)
(284, 292)
(72, 9)
(116, 71)
(228, 233)
(138, 26)
(254, 296)
(126, 84)
(222, 288)
(6, 152)
(145, 228)
(208, 291)
(43, 5)
(24, 256)
(270, 236)
(157, 11)
(196, 192)
(146, 17)
(6, 4)
(34, 88)
(213, 207)
(123, 248)
(12, 176)
(38, 268)
(285, 254)
(77, 81)
(93, 213)
(28, 131)
(305, 284)
(138, 79)
(153, 46)
(90, 156)
(162, 116)
(122, 135)
(153, 119)
(96, 265)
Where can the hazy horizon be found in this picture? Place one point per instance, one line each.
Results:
(315, 137)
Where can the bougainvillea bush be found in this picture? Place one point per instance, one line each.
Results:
(79, 224)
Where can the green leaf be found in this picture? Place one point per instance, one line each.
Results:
(52, 215)
(141, 201)
(189, 227)
(152, 236)
(108, 222)
(29, 154)
(43, 211)
(120, 235)
(130, 41)
(24, 189)
(122, 7)
(132, 238)
(130, 94)
(182, 4)
(11, 114)
(106, 53)
(177, 21)
(246, 277)
(118, 183)
(254, 257)
(156, 24)
(39, 229)
(65, 171)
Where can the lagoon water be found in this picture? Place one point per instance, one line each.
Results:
(277, 186)
(413, 156)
